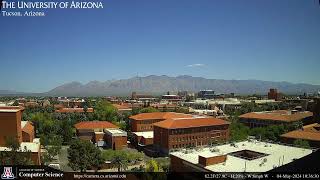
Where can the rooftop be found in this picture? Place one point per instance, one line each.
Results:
(279, 115)
(30, 146)
(275, 155)
(122, 106)
(145, 134)
(94, 125)
(116, 132)
(160, 115)
(23, 123)
(175, 123)
(27, 127)
(11, 108)
(309, 132)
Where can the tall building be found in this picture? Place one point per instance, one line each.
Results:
(142, 125)
(177, 133)
(10, 124)
(274, 94)
(21, 131)
(206, 94)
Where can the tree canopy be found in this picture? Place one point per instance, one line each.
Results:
(83, 155)
(16, 155)
(301, 143)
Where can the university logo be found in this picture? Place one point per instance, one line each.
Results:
(7, 173)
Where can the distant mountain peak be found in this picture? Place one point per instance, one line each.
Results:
(160, 84)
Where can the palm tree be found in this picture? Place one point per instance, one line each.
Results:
(120, 162)
(153, 166)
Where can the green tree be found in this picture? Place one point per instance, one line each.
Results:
(238, 131)
(85, 108)
(16, 103)
(153, 166)
(164, 163)
(83, 155)
(65, 129)
(120, 161)
(148, 110)
(52, 144)
(301, 143)
(15, 155)
(182, 110)
(105, 111)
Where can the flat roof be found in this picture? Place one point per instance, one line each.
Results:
(145, 134)
(9, 110)
(116, 132)
(30, 146)
(276, 153)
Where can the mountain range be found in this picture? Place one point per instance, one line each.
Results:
(160, 84)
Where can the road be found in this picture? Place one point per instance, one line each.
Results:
(63, 159)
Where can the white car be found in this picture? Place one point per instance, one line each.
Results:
(55, 166)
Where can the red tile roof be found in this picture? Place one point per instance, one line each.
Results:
(58, 106)
(28, 128)
(307, 133)
(121, 106)
(280, 115)
(190, 122)
(73, 110)
(159, 115)
(94, 125)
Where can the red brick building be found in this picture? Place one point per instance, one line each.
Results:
(10, 118)
(27, 131)
(165, 107)
(267, 118)
(116, 139)
(103, 133)
(74, 110)
(22, 131)
(274, 94)
(123, 107)
(310, 133)
(145, 121)
(189, 132)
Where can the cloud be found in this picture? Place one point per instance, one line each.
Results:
(195, 65)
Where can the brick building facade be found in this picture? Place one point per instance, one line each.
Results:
(10, 124)
(145, 121)
(274, 94)
(102, 133)
(267, 118)
(189, 132)
(20, 131)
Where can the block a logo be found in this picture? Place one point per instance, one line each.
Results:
(7, 173)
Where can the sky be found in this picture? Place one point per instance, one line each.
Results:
(273, 40)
